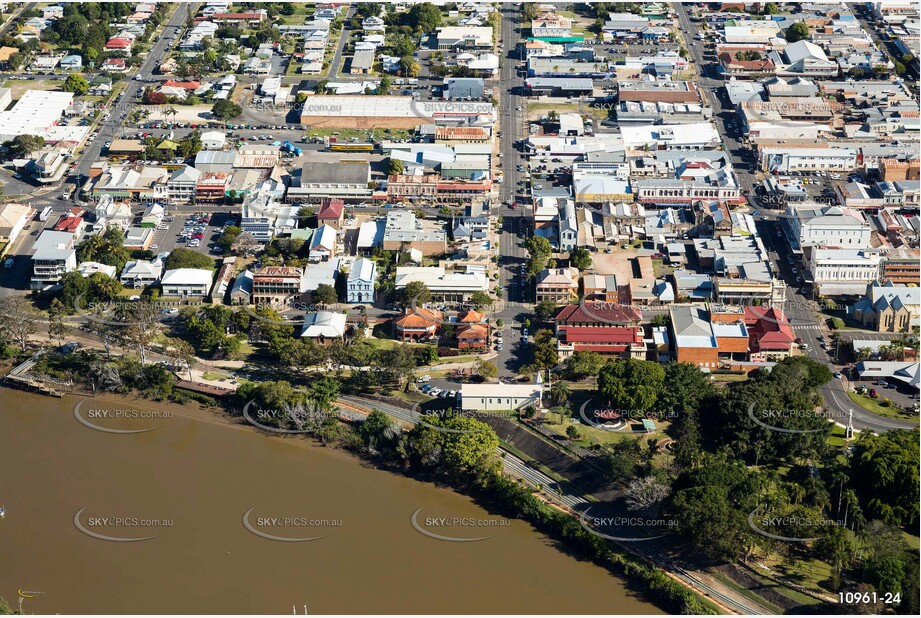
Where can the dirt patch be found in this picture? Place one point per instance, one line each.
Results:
(765, 591)
(618, 263)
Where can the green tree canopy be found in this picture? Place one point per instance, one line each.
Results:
(632, 385)
(187, 258)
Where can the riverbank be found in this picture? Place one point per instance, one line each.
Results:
(643, 578)
(202, 478)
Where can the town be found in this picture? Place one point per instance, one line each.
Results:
(607, 231)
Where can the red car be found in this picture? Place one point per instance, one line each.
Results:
(872, 393)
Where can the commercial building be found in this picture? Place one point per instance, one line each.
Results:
(444, 286)
(464, 37)
(706, 335)
(34, 114)
(832, 226)
(347, 180)
(360, 285)
(13, 219)
(324, 326)
(500, 396)
(834, 272)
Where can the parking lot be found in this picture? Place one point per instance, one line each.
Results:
(179, 232)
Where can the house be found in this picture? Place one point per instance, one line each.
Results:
(5, 54)
(87, 269)
(558, 285)
(141, 273)
(500, 396)
(100, 86)
(417, 324)
(114, 65)
(332, 213)
(323, 244)
(71, 223)
(72, 62)
(362, 62)
(324, 326)
(360, 285)
(888, 308)
(53, 254)
(13, 219)
(186, 282)
(118, 44)
(276, 286)
(770, 336)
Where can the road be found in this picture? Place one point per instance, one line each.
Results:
(110, 129)
(515, 467)
(515, 221)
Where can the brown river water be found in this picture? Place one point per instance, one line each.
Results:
(189, 482)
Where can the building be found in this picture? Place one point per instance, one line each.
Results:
(332, 213)
(87, 269)
(362, 280)
(213, 140)
(558, 285)
(323, 244)
(53, 254)
(13, 219)
(418, 324)
(186, 282)
(834, 272)
(705, 338)
(500, 396)
(324, 326)
(770, 336)
(888, 308)
(464, 37)
(832, 226)
(403, 231)
(346, 180)
(362, 62)
(141, 273)
(35, 113)
(902, 266)
(600, 326)
(456, 88)
(277, 286)
(444, 286)
(809, 160)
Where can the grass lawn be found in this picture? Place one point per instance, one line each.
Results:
(872, 405)
(836, 438)
(807, 573)
(729, 377)
(592, 435)
(215, 376)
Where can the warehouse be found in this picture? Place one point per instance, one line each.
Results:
(34, 114)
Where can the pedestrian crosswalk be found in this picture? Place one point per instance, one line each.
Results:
(807, 327)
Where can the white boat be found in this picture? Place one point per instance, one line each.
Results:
(2, 512)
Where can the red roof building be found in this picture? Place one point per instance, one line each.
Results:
(598, 313)
(602, 327)
(114, 64)
(183, 85)
(69, 223)
(332, 211)
(417, 324)
(770, 335)
(118, 44)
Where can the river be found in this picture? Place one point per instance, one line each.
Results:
(188, 483)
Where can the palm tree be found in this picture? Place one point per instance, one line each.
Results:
(553, 114)
(559, 394)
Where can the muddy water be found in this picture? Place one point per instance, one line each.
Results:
(187, 485)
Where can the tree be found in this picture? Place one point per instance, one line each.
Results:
(22, 146)
(415, 294)
(688, 386)
(539, 250)
(383, 88)
(424, 17)
(18, 319)
(325, 294)
(56, 326)
(884, 472)
(187, 258)
(646, 494)
(797, 32)
(632, 385)
(580, 258)
(74, 288)
(77, 84)
(228, 236)
(559, 394)
(583, 364)
(545, 310)
(545, 354)
(487, 370)
(394, 167)
(226, 110)
(480, 299)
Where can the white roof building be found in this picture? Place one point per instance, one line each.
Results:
(34, 114)
(324, 325)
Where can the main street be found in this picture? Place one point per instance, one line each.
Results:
(515, 224)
